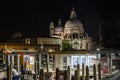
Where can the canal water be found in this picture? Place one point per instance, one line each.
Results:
(118, 78)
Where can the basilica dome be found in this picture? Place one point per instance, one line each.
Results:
(73, 23)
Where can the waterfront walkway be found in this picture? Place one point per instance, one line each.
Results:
(114, 76)
(2, 75)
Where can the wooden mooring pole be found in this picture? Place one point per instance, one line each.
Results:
(94, 72)
(41, 74)
(87, 73)
(57, 74)
(83, 71)
(99, 71)
(68, 73)
(78, 72)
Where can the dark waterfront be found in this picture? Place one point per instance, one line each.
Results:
(118, 78)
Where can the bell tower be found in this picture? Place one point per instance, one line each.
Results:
(51, 28)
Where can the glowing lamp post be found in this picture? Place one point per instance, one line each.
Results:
(98, 49)
(41, 47)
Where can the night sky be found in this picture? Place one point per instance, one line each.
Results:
(34, 17)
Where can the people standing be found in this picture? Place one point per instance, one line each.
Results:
(16, 75)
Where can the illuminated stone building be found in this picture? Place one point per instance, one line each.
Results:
(72, 32)
(20, 42)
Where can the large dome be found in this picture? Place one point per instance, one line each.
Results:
(73, 23)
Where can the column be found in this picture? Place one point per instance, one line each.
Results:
(13, 59)
(39, 62)
(35, 63)
(47, 62)
(8, 59)
(87, 63)
(18, 62)
(4, 58)
(109, 63)
(54, 66)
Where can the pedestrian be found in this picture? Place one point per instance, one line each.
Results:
(24, 71)
(16, 75)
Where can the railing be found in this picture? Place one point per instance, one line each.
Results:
(30, 77)
(112, 76)
(40, 76)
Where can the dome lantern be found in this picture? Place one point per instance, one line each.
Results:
(73, 14)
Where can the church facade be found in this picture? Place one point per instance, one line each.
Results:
(72, 32)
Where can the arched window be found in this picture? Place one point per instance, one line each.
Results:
(77, 35)
(73, 35)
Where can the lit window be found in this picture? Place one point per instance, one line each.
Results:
(27, 41)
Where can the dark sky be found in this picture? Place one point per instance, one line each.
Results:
(33, 17)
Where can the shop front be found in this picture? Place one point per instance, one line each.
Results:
(35, 62)
(62, 61)
(29, 62)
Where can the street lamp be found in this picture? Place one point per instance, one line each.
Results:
(41, 47)
(98, 49)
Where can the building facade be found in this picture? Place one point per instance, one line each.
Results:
(72, 32)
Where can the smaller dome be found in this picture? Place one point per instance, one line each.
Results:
(59, 29)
